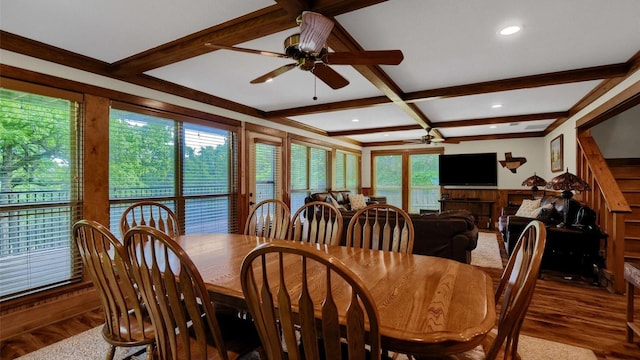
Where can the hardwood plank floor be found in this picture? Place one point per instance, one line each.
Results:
(570, 311)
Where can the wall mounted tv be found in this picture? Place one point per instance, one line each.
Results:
(479, 169)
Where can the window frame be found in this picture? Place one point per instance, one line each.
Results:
(179, 200)
(405, 154)
(74, 202)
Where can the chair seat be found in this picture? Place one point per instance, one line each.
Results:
(130, 336)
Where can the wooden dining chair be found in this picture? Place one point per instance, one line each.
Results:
(186, 322)
(105, 260)
(322, 311)
(316, 222)
(381, 227)
(515, 288)
(150, 213)
(269, 218)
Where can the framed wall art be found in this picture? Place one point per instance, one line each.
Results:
(557, 154)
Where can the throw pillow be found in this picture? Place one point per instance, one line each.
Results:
(529, 208)
(334, 202)
(357, 201)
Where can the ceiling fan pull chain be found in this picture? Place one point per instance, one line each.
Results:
(315, 87)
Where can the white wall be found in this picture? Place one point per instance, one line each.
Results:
(618, 136)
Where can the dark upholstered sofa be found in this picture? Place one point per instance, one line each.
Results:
(511, 226)
(342, 197)
(451, 234)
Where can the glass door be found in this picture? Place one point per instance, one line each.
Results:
(265, 168)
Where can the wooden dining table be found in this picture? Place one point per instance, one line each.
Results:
(426, 305)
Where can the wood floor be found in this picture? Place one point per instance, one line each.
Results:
(567, 311)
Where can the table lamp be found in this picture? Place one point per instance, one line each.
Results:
(534, 181)
(567, 182)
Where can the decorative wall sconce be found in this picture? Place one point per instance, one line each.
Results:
(512, 163)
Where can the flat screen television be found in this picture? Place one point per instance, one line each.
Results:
(479, 169)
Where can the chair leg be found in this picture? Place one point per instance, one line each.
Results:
(150, 349)
(111, 352)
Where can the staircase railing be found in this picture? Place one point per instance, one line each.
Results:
(610, 205)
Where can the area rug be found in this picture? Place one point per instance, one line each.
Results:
(89, 345)
(487, 253)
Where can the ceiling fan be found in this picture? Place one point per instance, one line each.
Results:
(427, 139)
(309, 50)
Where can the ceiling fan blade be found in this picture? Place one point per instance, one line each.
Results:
(250, 51)
(381, 57)
(314, 31)
(273, 73)
(329, 76)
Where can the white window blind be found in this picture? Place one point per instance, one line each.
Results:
(210, 179)
(352, 173)
(347, 172)
(40, 179)
(308, 172)
(191, 168)
(340, 174)
(267, 171)
(141, 162)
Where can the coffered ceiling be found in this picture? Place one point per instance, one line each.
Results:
(457, 68)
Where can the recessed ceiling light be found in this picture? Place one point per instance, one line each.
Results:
(510, 30)
(493, 127)
(496, 106)
(355, 120)
(385, 135)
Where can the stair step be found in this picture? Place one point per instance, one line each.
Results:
(632, 228)
(634, 215)
(629, 184)
(631, 256)
(625, 171)
(631, 245)
(632, 197)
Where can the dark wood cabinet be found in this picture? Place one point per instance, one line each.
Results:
(482, 210)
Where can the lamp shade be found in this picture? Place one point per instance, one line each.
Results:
(314, 31)
(534, 180)
(568, 182)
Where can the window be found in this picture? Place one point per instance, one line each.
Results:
(388, 178)
(200, 184)
(267, 171)
(409, 179)
(40, 179)
(308, 172)
(347, 171)
(424, 191)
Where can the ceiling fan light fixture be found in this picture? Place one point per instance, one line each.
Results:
(314, 32)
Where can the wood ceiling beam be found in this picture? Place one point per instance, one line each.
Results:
(500, 120)
(257, 24)
(325, 7)
(459, 139)
(614, 71)
(458, 123)
(341, 40)
(524, 82)
(374, 130)
(248, 27)
(334, 106)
